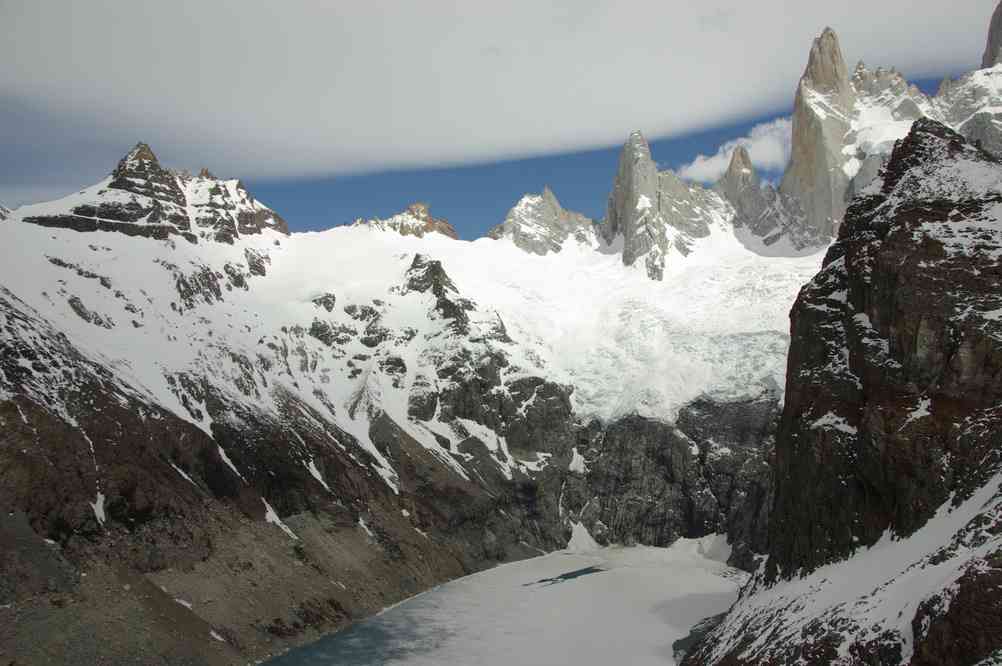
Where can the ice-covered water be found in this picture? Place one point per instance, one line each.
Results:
(603, 606)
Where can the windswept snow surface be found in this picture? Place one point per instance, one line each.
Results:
(607, 606)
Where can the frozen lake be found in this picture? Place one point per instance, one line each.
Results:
(595, 606)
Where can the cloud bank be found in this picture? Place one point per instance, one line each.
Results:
(768, 145)
(314, 88)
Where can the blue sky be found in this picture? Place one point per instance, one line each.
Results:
(475, 198)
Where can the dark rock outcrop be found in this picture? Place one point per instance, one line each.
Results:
(891, 417)
(142, 198)
(863, 397)
(821, 111)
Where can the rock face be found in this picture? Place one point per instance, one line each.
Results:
(821, 111)
(655, 214)
(759, 209)
(642, 481)
(993, 49)
(4, 212)
(632, 212)
(142, 198)
(890, 427)
(415, 221)
(540, 225)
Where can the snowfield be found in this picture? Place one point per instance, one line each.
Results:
(597, 606)
(718, 323)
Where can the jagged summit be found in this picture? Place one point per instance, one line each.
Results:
(141, 152)
(741, 167)
(822, 108)
(631, 211)
(143, 198)
(4, 212)
(637, 145)
(539, 225)
(416, 220)
(993, 49)
(826, 68)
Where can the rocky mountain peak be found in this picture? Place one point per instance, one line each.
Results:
(632, 213)
(741, 168)
(4, 212)
(993, 49)
(822, 108)
(889, 423)
(416, 220)
(539, 225)
(160, 203)
(420, 210)
(637, 146)
(205, 173)
(741, 186)
(140, 153)
(140, 163)
(826, 68)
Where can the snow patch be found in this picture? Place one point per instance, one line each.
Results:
(272, 517)
(581, 540)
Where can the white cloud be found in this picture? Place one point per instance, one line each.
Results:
(768, 145)
(312, 87)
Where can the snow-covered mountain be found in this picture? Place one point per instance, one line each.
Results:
(439, 400)
(4, 212)
(415, 221)
(246, 437)
(844, 128)
(539, 224)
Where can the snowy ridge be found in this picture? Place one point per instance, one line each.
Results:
(254, 315)
(142, 198)
(415, 221)
(539, 224)
(873, 595)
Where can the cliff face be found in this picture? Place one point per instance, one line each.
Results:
(896, 335)
(822, 111)
(993, 48)
(890, 430)
(632, 212)
(539, 224)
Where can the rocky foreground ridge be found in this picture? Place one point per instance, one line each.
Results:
(885, 540)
